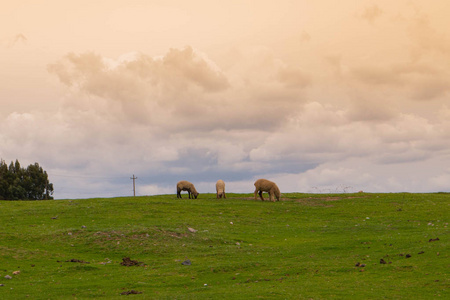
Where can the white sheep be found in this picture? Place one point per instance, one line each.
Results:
(264, 185)
(184, 185)
(220, 189)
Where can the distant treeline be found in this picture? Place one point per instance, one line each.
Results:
(17, 183)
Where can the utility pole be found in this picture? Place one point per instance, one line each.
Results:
(134, 186)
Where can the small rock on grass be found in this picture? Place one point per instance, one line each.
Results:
(186, 262)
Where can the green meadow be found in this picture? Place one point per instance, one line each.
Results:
(307, 246)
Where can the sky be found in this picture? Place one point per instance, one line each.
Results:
(317, 96)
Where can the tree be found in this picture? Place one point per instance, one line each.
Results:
(36, 183)
(3, 179)
(17, 183)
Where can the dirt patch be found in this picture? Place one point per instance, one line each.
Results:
(132, 292)
(172, 233)
(328, 198)
(127, 262)
(112, 235)
(76, 261)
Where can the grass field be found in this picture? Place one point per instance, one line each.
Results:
(307, 246)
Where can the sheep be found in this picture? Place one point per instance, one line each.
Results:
(184, 185)
(264, 185)
(220, 189)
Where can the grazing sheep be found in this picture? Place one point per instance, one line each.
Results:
(220, 189)
(186, 186)
(264, 185)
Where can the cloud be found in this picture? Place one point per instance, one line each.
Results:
(163, 118)
(320, 107)
(173, 90)
(426, 38)
(439, 182)
(375, 75)
(178, 69)
(195, 67)
(293, 78)
(371, 109)
(372, 13)
(423, 81)
(10, 42)
(153, 189)
(143, 88)
(305, 37)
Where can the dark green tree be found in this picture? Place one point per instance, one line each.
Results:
(3, 179)
(17, 183)
(36, 183)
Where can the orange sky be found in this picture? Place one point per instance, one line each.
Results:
(316, 95)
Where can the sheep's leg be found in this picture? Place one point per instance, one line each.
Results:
(224, 196)
(178, 193)
(272, 195)
(189, 192)
(260, 195)
(256, 191)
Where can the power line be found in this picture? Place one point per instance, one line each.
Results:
(84, 176)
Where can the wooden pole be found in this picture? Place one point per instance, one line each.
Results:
(134, 186)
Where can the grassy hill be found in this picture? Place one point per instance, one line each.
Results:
(307, 246)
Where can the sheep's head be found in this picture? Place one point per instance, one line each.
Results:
(195, 195)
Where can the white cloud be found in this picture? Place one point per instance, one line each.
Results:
(153, 189)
